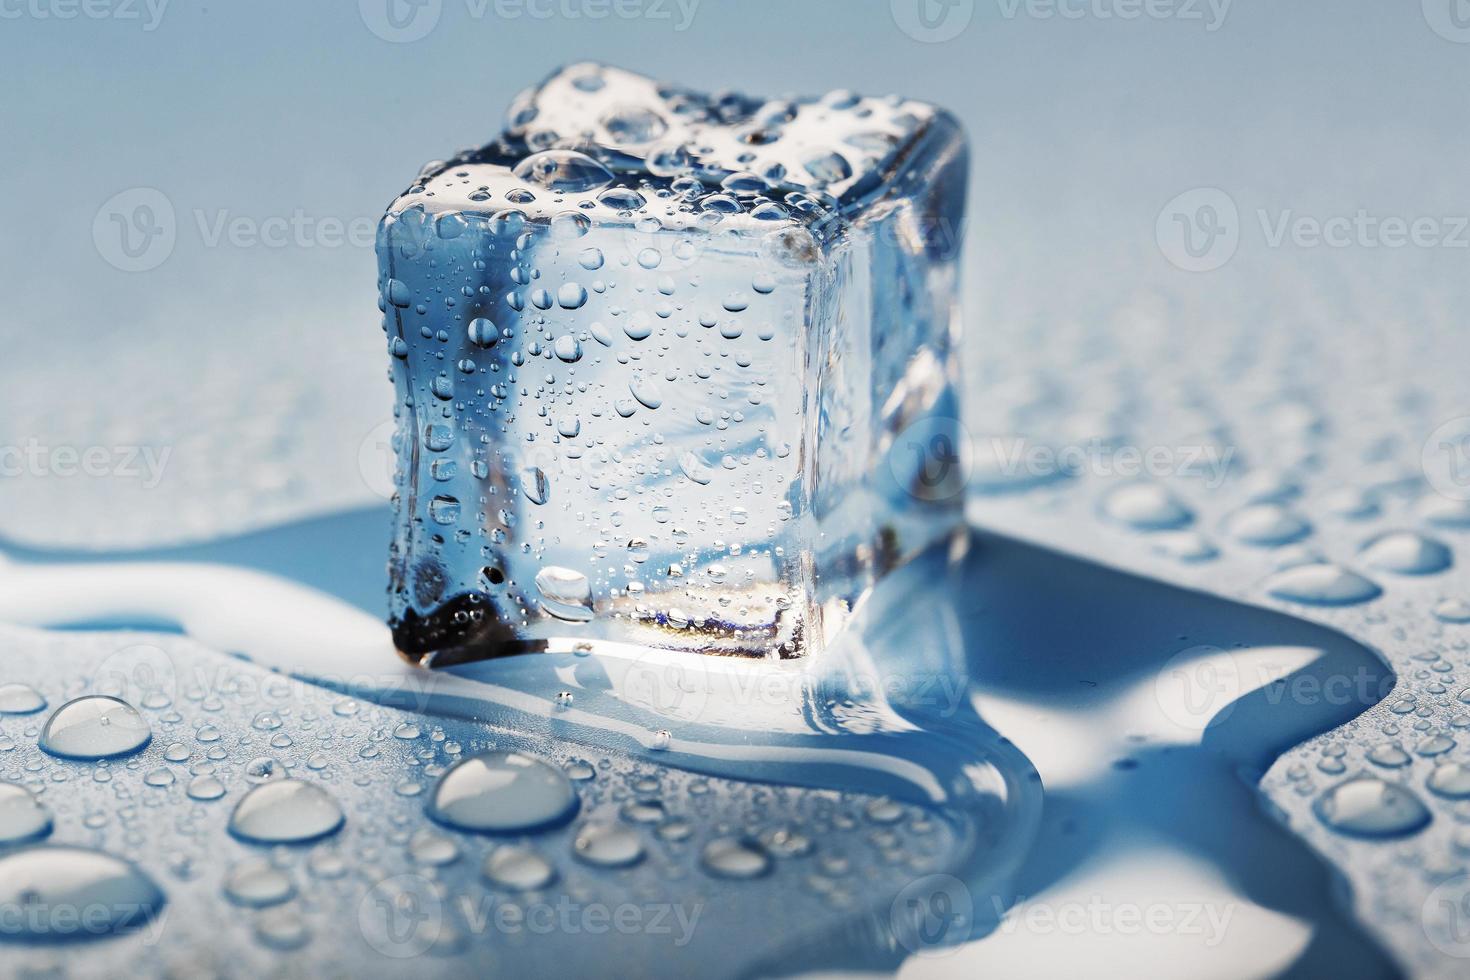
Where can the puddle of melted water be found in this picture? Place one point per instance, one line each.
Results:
(1149, 712)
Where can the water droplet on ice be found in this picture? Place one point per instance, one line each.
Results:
(285, 811)
(95, 726)
(502, 793)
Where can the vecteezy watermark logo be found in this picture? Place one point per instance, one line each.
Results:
(932, 21)
(401, 917)
(1211, 13)
(931, 459)
(666, 683)
(1207, 921)
(135, 230)
(1445, 917)
(377, 461)
(1446, 458)
(148, 12)
(400, 21)
(1450, 19)
(1199, 230)
(932, 916)
(1198, 687)
(140, 674)
(37, 459)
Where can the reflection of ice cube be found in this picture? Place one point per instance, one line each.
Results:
(662, 350)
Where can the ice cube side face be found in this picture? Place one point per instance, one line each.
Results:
(648, 397)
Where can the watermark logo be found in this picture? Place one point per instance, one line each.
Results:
(140, 674)
(1199, 230)
(1450, 19)
(932, 21)
(1210, 13)
(1445, 917)
(931, 916)
(135, 230)
(1445, 458)
(1198, 687)
(148, 13)
(665, 684)
(400, 21)
(931, 459)
(401, 917)
(377, 461)
(37, 459)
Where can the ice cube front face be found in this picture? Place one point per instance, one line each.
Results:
(659, 360)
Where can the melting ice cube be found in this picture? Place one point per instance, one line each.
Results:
(672, 370)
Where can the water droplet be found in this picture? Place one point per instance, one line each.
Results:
(1450, 780)
(1406, 553)
(436, 850)
(1267, 525)
(51, 883)
(571, 296)
(20, 699)
(645, 391)
(517, 869)
(786, 843)
(634, 124)
(483, 333)
(1366, 806)
(281, 928)
(502, 793)
(1389, 756)
(257, 884)
(734, 857)
(567, 349)
(285, 811)
(565, 594)
(884, 810)
(566, 171)
(1146, 507)
(22, 816)
(95, 726)
(205, 788)
(607, 845)
(1321, 584)
(1453, 611)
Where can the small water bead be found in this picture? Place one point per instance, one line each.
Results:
(884, 811)
(520, 869)
(281, 928)
(257, 884)
(571, 296)
(205, 788)
(565, 593)
(285, 811)
(503, 792)
(1447, 512)
(674, 830)
(1434, 745)
(567, 349)
(607, 845)
(661, 741)
(53, 882)
(1267, 525)
(634, 124)
(22, 816)
(407, 731)
(1186, 546)
(1406, 553)
(1366, 806)
(786, 843)
(566, 171)
(483, 333)
(643, 811)
(579, 771)
(20, 699)
(1450, 780)
(735, 858)
(1322, 584)
(263, 770)
(637, 327)
(646, 391)
(159, 778)
(96, 726)
(621, 199)
(590, 259)
(435, 850)
(1146, 507)
(564, 699)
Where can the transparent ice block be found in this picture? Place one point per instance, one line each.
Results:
(672, 370)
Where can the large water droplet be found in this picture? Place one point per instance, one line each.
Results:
(608, 845)
(1366, 806)
(20, 699)
(49, 886)
(95, 726)
(1321, 584)
(734, 857)
(565, 594)
(285, 811)
(1450, 780)
(1407, 553)
(503, 793)
(563, 170)
(22, 816)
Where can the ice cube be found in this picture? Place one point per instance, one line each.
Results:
(672, 370)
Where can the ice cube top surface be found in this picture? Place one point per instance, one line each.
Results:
(653, 350)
